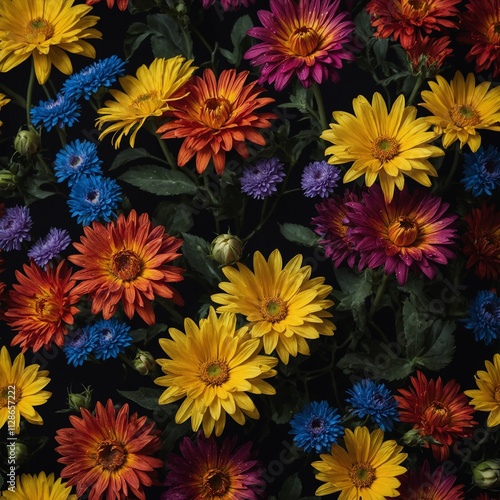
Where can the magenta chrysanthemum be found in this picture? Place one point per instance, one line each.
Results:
(308, 39)
(413, 231)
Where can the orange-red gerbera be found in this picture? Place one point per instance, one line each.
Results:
(126, 261)
(403, 19)
(427, 54)
(437, 411)
(216, 117)
(41, 306)
(122, 4)
(109, 452)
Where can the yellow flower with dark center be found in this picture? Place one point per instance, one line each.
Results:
(46, 30)
(39, 487)
(366, 470)
(460, 108)
(381, 143)
(20, 390)
(213, 366)
(487, 396)
(146, 95)
(282, 305)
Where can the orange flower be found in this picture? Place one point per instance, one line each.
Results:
(110, 453)
(217, 117)
(126, 261)
(122, 4)
(41, 306)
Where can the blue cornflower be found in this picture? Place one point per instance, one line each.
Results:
(89, 80)
(15, 225)
(260, 180)
(76, 159)
(484, 316)
(482, 171)
(56, 112)
(45, 249)
(375, 401)
(94, 198)
(110, 338)
(319, 179)
(78, 345)
(316, 427)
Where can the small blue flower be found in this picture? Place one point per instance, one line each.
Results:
(373, 400)
(110, 338)
(94, 198)
(260, 180)
(45, 249)
(15, 225)
(482, 171)
(56, 112)
(319, 179)
(76, 159)
(78, 345)
(484, 317)
(316, 427)
(90, 79)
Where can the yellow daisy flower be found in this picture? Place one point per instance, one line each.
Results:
(381, 143)
(213, 366)
(365, 470)
(39, 487)
(460, 109)
(46, 30)
(487, 397)
(3, 101)
(21, 390)
(147, 94)
(282, 305)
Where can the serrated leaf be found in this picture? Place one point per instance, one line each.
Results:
(414, 327)
(159, 180)
(130, 155)
(441, 344)
(177, 218)
(291, 489)
(147, 397)
(196, 251)
(136, 34)
(299, 234)
(169, 39)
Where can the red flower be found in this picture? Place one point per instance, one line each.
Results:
(41, 306)
(122, 4)
(428, 54)
(482, 241)
(441, 412)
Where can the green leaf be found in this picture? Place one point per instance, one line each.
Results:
(441, 348)
(159, 180)
(414, 327)
(169, 39)
(291, 489)
(299, 234)
(136, 34)
(147, 397)
(146, 334)
(177, 218)
(196, 251)
(131, 155)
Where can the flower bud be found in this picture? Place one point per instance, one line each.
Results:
(226, 249)
(144, 362)
(77, 400)
(27, 142)
(8, 186)
(487, 474)
(414, 438)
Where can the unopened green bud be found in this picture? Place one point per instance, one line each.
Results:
(7, 182)
(487, 474)
(78, 400)
(226, 249)
(414, 438)
(144, 362)
(27, 142)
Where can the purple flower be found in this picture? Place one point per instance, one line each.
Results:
(319, 179)
(45, 249)
(260, 180)
(15, 225)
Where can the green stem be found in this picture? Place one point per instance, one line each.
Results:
(166, 152)
(378, 296)
(202, 39)
(21, 101)
(320, 105)
(453, 169)
(415, 90)
(29, 94)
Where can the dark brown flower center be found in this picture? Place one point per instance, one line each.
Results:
(273, 309)
(111, 455)
(216, 483)
(303, 41)
(126, 265)
(38, 30)
(417, 4)
(496, 29)
(214, 372)
(385, 148)
(215, 112)
(464, 115)
(47, 309)
(362, 475)
(437, 409)
(403, 231)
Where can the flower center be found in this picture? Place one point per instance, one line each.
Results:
(215, 483)
(385, 148)
(273, 309)
(497, 394)
(47, 309)
(215, 112)
(111, 455)
(75, 161)
(303, 41)
(438, 408)
(464, 115)
(38, 30)
(6, 396)
(126, 265)
(317, 425)
(214, 372)
(403, 231)
(417, 4)
(93, 196)
(496, 29)
(362, 475)
(144, 98)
